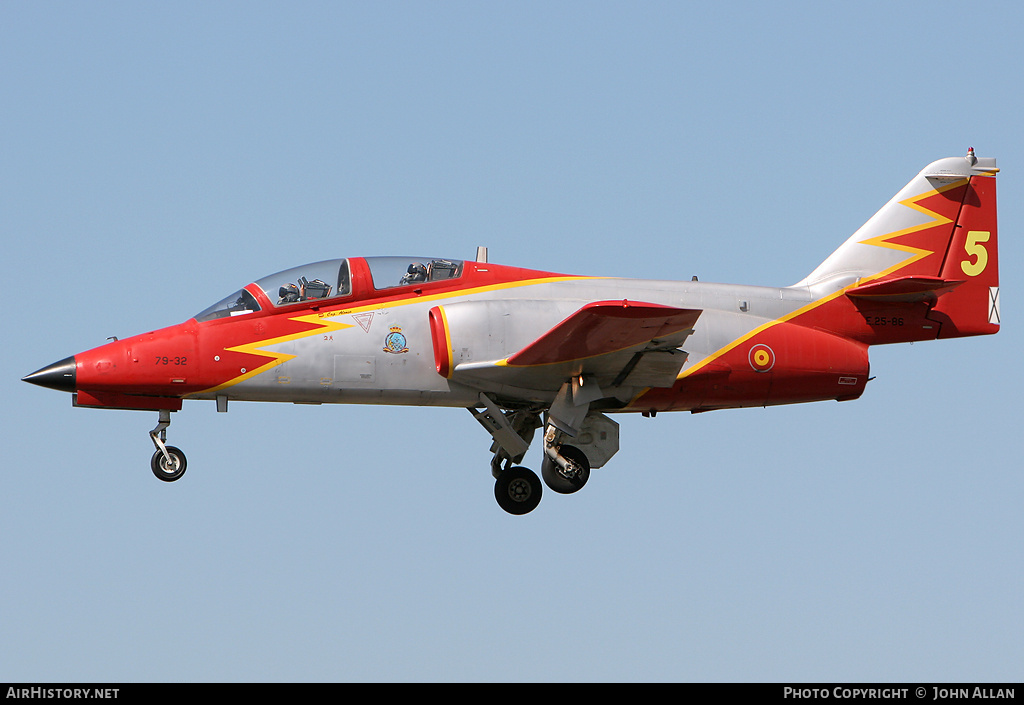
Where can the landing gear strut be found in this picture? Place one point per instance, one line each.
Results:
(517, 489)
(168, 463)
(565, 468)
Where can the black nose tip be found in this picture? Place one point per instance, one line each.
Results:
(59, 375)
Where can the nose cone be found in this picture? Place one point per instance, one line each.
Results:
(59, 376)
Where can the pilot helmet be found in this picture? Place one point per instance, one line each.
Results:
(289, 293)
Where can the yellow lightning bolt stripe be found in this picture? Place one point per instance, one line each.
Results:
(327, 323)
(916, 254)
(763, 327)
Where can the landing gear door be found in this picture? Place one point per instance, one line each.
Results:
(599, 439)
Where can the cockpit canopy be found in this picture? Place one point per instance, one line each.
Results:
(321, 280)
(388, 272)
(332, 279)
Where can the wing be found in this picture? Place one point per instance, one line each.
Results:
(621, 344)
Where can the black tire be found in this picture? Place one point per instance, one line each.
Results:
(559, 482)
(518, 490)
(168, 473)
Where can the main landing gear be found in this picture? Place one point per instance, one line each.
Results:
(565, 468)
(518, 490)
(168, 463)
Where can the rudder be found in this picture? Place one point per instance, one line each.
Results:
(972, 308)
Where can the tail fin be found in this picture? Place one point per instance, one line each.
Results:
(934, 243)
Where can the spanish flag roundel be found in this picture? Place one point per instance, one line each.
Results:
(761, 358)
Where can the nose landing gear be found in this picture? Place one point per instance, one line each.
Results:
(168, 463)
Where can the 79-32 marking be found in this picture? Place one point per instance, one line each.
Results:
(177, 360)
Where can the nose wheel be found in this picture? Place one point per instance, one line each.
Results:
(168, 463)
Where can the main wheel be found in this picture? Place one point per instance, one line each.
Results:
(518, 490)
(556, 479)
(168, 472)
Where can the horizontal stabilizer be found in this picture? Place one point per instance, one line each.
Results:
(605, 327)
(909, 289)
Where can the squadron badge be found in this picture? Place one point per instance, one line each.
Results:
(395, 342)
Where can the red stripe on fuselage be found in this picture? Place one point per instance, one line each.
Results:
(192, 357)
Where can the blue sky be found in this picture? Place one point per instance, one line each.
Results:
(156, 157)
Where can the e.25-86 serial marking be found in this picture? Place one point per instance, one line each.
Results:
(883, 320)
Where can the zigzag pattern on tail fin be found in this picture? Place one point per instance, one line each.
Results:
(930, 254)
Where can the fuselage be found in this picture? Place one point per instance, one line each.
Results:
(372, 345)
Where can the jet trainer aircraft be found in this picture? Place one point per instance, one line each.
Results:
(524, 350)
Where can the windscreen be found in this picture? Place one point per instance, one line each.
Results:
(239, 303)
(321, 280)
